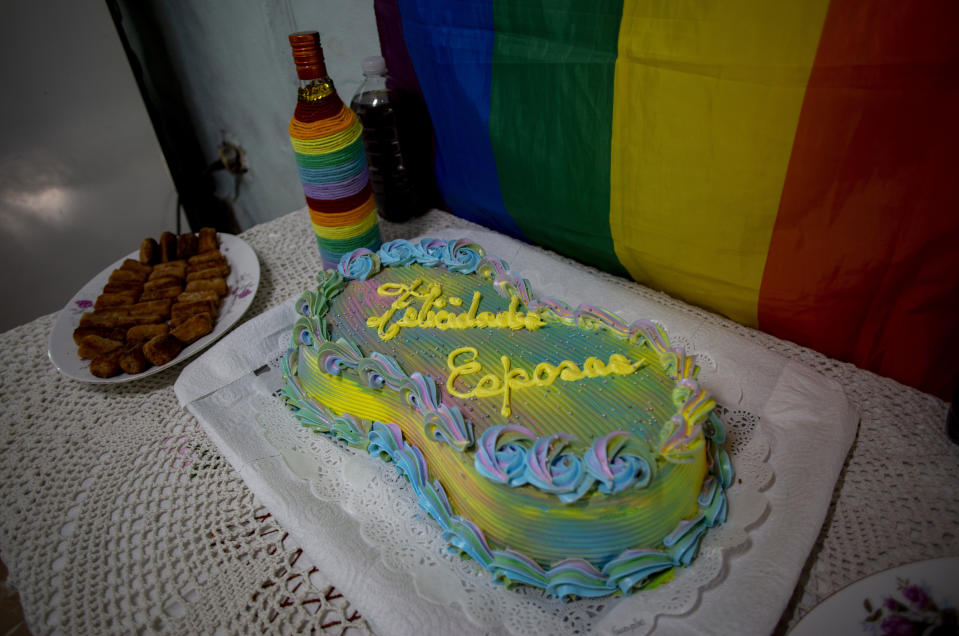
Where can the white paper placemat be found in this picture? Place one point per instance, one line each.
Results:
(805, 418)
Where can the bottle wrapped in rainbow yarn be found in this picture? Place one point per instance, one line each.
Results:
(327, 139)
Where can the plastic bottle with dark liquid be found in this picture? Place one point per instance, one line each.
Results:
(397, 136)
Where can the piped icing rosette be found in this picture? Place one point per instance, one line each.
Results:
(359, 264)
(559, 447)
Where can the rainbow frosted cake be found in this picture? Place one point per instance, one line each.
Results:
(560, 448)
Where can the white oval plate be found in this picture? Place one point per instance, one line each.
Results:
(846, 611)
(243, 280)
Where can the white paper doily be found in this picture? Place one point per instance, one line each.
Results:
(114, 457)
(806, 422)
(407, 541)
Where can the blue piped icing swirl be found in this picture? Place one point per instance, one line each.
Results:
(431, 252)
(397, 253)
(552, 469)
(460, 255)
(501, 454)
(359, 264)
(557, 464)
(620, 460)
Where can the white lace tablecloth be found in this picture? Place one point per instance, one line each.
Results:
(120, 515)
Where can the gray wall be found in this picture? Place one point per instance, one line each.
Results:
(238, 78)
(82, 178)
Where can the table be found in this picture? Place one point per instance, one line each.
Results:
(120, 515)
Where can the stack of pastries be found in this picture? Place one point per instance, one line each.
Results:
(152, 307)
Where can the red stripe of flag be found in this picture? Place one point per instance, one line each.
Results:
(864, 259)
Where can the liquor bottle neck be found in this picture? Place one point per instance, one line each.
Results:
(315, 90)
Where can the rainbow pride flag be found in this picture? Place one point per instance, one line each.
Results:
(791, 165)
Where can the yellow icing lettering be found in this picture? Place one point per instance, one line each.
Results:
(428, 301)
(443, 319)
(544, 374)
(463, 362)
(460, 321)
(488, 386)
(468, 367)
(426, 318)
(513, 379)
(474, 305)
(392, 289)
(409, 318)
(594, 368)
(398, 289)
(619, 365)
(570, 372)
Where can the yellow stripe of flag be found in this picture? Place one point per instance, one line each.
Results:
(706, 103)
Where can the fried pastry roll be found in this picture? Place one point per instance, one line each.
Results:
(206, 257)
(105, 301)
(213, 269)
(119, 287)
(206, 295)
(136, 266)
(164, 292)
(182, 311)
(193, 328)
(207, 240)
(132, 359)
(167, 247)
(107, 365)
(121, 275)
(142, 333)
(186, 245)
(149, 252)
(120, 314)
(110, 333)
(110, 320)
(162, 349)
(161, 281)
(173, 268)
(214, 284)
(160, 307)
(116, 320)
(93, 346)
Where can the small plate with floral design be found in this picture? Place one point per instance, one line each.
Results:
(243, 279)
(917, 598)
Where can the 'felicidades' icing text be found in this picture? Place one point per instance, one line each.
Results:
(426, 318)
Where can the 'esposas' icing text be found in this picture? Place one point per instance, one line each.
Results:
(462, 362)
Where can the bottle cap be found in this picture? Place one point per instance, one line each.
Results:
(374, 65)
(308, 55)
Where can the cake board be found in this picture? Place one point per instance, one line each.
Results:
(802, 420)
